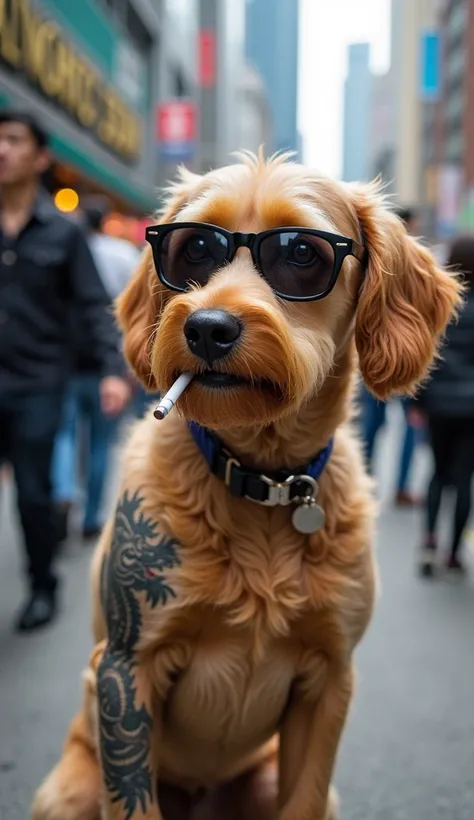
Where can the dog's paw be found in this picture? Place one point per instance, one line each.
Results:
(58, 800)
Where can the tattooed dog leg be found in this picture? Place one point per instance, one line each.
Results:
(126, 731)
(134, 583)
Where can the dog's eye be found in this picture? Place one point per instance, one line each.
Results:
(302, 253)
(196, 249)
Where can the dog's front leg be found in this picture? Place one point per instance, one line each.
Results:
(309, 741)
(128, 736)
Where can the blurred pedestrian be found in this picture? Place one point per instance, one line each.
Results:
(45, 267)
(115, 258)
(86, 430)
(374, 413)
(447, 402)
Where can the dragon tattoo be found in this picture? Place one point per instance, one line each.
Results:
(137, 562)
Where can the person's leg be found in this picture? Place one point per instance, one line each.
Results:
(462, 472)
(433, 504)
(63, 471)
(35, 421)
(5, 437)
(440, 433)
(406, 458)
(373, 418)
(102, 431)
(64, 465)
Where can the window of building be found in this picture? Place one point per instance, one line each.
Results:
(455, 147)
(136, 30)
(124, 12)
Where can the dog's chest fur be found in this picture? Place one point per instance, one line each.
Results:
(228, 700)
(241, 626)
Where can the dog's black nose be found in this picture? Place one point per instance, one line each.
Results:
(211, 334)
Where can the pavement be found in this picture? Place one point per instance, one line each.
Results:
(408, 751)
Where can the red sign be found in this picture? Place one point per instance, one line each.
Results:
(207, 58)
(177, 121)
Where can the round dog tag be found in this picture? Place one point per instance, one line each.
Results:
(308, 518)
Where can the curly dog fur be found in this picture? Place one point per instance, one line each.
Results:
(246, 666)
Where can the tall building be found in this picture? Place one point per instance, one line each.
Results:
(381, 144)
(357, 114)
(454, 148)
(272, 48)
(412, 21)
(255, 117)
(234, 107)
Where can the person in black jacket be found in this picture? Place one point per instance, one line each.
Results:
(447, 402)
(45, 268)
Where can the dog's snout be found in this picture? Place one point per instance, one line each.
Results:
(211, 334)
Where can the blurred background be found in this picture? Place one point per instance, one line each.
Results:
(129, 89)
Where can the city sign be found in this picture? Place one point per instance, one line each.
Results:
(177, 129)
(36, 47)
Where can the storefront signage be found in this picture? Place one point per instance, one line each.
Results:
(38, 48)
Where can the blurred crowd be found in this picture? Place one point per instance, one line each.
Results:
(64, 386)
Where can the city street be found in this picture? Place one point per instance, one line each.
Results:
(408, 753)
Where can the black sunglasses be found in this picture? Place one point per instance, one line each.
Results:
(299, 264)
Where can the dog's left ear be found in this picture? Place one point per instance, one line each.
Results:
(405, 303)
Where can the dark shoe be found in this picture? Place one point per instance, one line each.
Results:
(455, 567)
(91, 533)
(427, 563)
(39, 611)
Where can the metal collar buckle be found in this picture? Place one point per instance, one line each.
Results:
(279, 492)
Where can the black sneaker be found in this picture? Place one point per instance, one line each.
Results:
(427, 563)
(38, 612)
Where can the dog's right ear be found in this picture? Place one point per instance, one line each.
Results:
(139, 306)
(405, 303)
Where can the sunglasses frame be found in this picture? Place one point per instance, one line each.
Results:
(343, 246)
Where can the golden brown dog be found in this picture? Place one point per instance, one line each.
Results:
(222, 629)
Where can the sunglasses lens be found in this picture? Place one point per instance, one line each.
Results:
(297, 264)
(189, 256)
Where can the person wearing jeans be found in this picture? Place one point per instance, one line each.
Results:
(85, 430)
(373, 417)
(83, 421)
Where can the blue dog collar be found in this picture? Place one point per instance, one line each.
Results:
(280, 487)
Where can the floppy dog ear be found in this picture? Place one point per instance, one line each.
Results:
(405, 303)
(139, 306)
(137, 310)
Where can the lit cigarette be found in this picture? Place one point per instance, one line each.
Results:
(171, 397)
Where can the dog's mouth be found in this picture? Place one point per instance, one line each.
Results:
(211, 378)
(216, 380)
